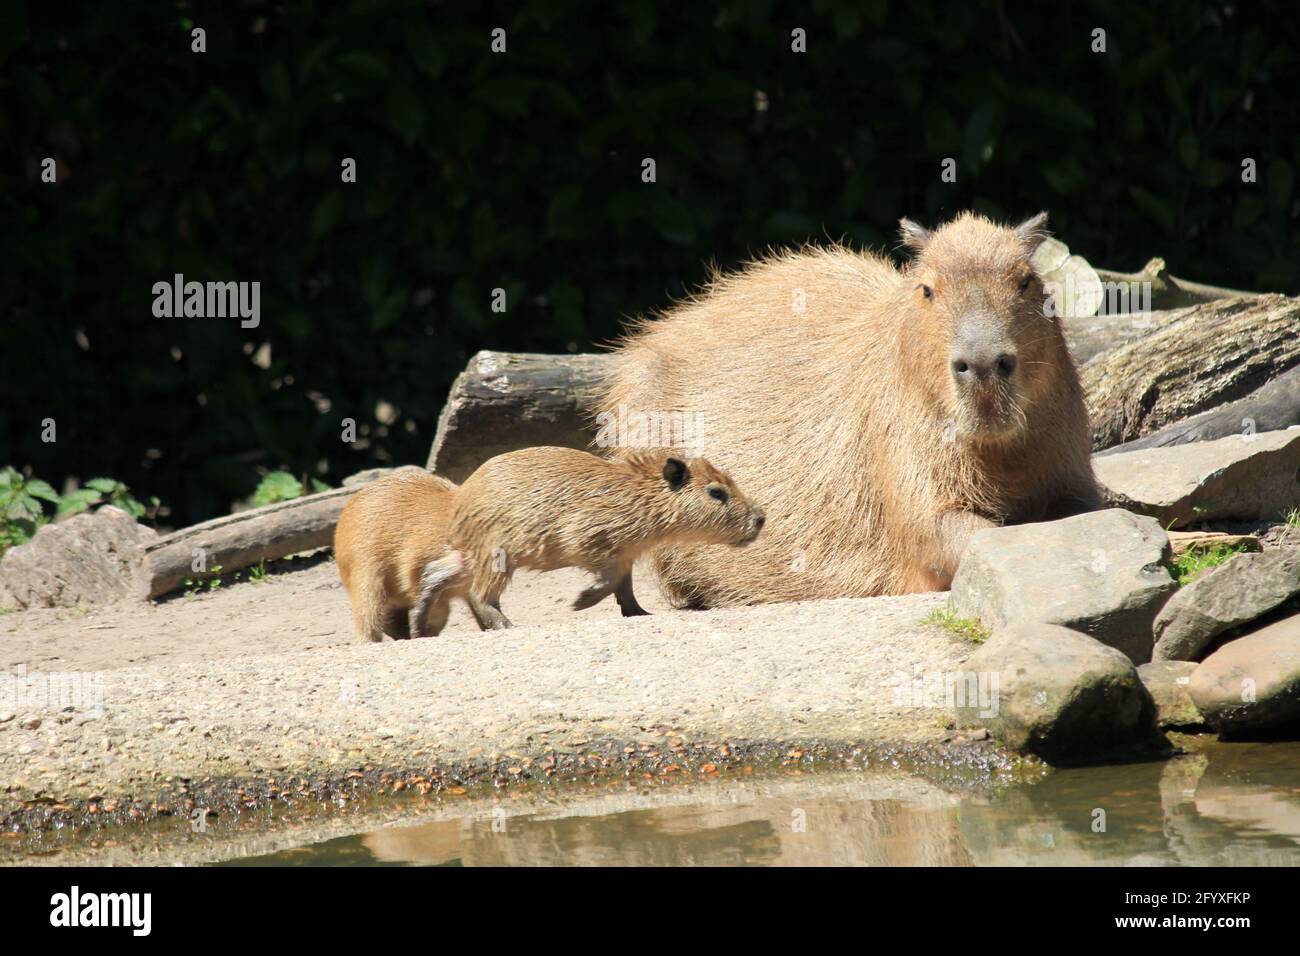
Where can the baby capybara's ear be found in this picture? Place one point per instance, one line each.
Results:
(1033, 231)
(914, 235)
(676, 473)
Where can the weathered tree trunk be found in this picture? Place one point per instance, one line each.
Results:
(508, 400)
(1271, 407)
(1090, 336)
(240, 540)
(1207, 355)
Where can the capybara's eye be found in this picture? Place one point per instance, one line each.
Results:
(718, 494)
(1024, 283)
(927, 292)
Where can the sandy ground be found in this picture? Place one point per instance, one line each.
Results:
(263, 678)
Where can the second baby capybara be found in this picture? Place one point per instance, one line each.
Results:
(881, 414)
(387, 535)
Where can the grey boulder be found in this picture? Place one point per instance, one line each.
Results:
(1102, 573)
(1236, 593)
(92, 558)
(1166, 682)
(1251, 686)
(1059, 694)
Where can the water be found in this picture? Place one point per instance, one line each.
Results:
(1226, 804)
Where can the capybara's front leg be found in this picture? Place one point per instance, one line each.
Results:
(607, 580)
(626, 599)
(953, 534)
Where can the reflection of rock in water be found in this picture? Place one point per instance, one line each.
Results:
(779, 830)
(1227, 804)
(1050, 822)
(1224, 806)
(1237, 805)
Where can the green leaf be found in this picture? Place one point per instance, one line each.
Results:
(106, 485)
(277, 486)
(77, 501)
(40, 489)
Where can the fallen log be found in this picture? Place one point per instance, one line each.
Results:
(1273, 406)
(1206, 355)
(508, 400)
(1089, 336)
(238, 541)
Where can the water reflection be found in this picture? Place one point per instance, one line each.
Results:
(1233, 804)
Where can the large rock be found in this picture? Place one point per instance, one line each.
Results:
(1061, 695)
(1251, 686)
(1166, 682)
(1233, 594)
(91, 558)
(1241, 476)
(1101, 573)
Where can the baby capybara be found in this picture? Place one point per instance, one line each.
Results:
(549, 508)
(388, 534)
(882, 415)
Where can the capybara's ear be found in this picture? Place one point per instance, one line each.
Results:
(1033, 231)
(676, 473)
(914, 235)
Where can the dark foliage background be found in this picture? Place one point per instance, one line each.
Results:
(523, 171)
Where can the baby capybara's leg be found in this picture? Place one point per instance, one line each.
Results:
(485, 594)
(437, 618)
(626, 599)
(397, 624)
(488, 614)
(368, 607)
(429, 613)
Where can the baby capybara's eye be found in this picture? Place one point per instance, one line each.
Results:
(1024, 283)
(927, 292)
(718, 494)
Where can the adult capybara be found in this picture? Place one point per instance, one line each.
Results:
(882, 415)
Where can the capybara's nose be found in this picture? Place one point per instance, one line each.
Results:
(971, 366)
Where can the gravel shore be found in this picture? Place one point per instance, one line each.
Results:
(260, 681)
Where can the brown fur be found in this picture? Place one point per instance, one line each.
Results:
(387, 535)
(846, 421)
(549, 508)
